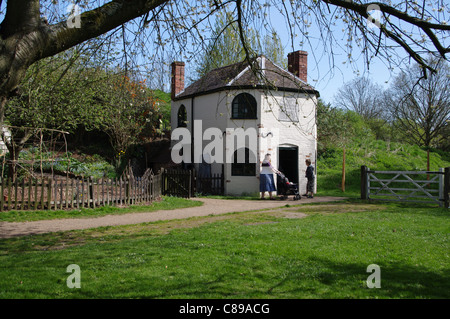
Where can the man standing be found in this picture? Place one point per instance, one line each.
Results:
(310, 176)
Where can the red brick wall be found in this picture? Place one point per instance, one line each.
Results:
(177, 78)
(298, 64)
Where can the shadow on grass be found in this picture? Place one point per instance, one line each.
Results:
(327, 279)
(318, 279)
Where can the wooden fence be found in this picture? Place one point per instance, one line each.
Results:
(186, 183)
(177, 182)
(210, 185)
(74, 193)
(407, 186)
(65, 193)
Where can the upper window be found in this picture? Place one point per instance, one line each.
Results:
(245, 168)
(244, 107)
(289, 110)
(182, 116)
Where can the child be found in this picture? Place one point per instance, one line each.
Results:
(310, 176)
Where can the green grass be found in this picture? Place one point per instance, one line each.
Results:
(243, 255)
(248, 197)
(167, 202)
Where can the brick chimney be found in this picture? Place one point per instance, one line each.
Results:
(298, 64)
(177, 78)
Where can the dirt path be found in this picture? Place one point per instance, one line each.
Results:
(209, 207)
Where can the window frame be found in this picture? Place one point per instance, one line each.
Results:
(242, 112)
(243, 169)
(183, 121)
(289, 110)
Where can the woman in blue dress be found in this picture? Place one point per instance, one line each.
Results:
(266, 181)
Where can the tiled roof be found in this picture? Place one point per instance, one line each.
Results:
(264, 74)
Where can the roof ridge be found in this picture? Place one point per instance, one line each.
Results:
(236, 74)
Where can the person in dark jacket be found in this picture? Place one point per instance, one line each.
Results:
(310, 176)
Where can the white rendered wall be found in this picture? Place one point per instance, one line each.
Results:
(215, 112)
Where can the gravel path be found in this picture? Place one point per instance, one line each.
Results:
(209, 207)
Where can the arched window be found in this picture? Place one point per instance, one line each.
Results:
(244, 107)
(247, 168)
(182, 116)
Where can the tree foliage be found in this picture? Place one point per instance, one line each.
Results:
(133, 112)
(56, 93)
(64, 93)
(362, 96)
(225, 47)
(421, 108)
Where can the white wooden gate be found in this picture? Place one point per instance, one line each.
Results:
(406, 186)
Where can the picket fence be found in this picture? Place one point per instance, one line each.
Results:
(68, 193)
(74, 193)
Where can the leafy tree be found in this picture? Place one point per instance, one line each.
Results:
(225, 47)
(61, 93)
(421, 108)
(54, 94)
(362, 96)
(133, 112)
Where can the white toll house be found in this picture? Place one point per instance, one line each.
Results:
(233, 116)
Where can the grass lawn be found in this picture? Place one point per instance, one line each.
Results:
(243, 255)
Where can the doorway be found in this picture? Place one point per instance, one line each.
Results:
(288, 162)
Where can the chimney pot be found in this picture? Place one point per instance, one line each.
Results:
(298, 64)
(177, 84)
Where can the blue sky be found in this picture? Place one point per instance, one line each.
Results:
(328, 81)
(327, 72)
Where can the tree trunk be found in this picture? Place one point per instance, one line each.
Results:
(26, 38)
(12, 165)
(343, 172)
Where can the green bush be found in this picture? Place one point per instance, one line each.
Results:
(81, 165)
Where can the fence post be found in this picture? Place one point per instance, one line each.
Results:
(42, 192)
(91, 190)
(67, 192)
(82, 191)
(16, 186)
(222, 181)
(129, 190)
(9, 192)
(49, 194)
(441, 187)
(150, 188)
(163, 184)
(191, 188)
(364, 189)
(447, 187)
(36, 195)
(194, 181)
